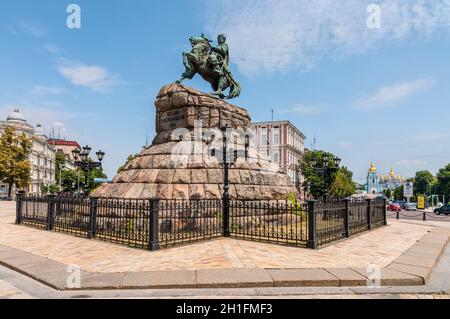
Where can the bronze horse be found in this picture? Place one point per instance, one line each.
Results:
(211, 66)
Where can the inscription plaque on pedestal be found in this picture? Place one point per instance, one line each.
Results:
(172, 119)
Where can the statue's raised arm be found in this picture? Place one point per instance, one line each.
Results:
(212, 65)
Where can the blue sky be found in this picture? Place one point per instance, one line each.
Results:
(366, 94)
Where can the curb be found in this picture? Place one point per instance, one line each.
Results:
(412, 268)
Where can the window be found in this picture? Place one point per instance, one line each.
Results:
(276, 136)
(276, 158)
(263, 136)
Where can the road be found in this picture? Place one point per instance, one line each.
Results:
(419, 215)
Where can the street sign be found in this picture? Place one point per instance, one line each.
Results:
(421, 202)
(408, 191)
(102, 180)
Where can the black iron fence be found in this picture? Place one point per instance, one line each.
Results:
(153, 223)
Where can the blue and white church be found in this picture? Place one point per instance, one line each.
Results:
(373, 184)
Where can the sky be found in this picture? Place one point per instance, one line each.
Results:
(366, 83)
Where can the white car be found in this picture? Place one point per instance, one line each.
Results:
(411, 206)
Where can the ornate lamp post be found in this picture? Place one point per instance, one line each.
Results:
(226, 163)
(82, 161)
(326, 170)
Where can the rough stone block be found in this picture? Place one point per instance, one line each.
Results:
(233, 278)
(303, 278)
(182, 176)
(159, 280)
(348, 277)
(196, 191)
(165, 176)
(199, 176)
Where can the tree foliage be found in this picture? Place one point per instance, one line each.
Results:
(343, 185)
(15, 168)
(423, 182)
(398, 193)
(338, 183)
(443, 181)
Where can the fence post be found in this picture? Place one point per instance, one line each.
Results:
(369, 214)
(153, 242)
(385, 211)
(398, 215)
(424, 216)
(93, 201)
(346, 218)
(50, 211)
(312, 227)
(226, 214)
(19, 202)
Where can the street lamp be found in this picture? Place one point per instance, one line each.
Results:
(226, 163)
(326, 169)
(84, 163)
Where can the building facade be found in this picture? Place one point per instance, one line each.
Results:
(283, 143)
(391, 181)
(41, 157)
(65, 147)
(373, 184)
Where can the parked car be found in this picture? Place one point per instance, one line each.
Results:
(411, 206)
(394, 207)
(402, 203)
(443, 210)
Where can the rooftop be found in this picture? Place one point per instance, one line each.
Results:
(280, 122)
(55, 142)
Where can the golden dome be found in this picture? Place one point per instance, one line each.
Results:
(372, 168)
(392, 174)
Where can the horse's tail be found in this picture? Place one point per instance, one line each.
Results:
(235, 88)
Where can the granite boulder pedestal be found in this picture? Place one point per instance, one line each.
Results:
(179, 163)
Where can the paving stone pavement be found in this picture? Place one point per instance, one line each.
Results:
(379, 247)
(8, 291)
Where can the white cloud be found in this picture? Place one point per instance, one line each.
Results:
(408, 162)
(303, 110)
(94, 77)
(33, 29)
(432, 136)
(276, 36)
(45, 90)
(345, 144)
(389, 95)
(53, 49)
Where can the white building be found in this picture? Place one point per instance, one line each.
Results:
(41, 157)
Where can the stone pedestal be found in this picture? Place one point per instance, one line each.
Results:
(179, 164)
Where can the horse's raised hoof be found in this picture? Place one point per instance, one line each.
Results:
(220, 95)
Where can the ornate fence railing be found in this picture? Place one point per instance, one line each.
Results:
(278, 222)
(153, 223)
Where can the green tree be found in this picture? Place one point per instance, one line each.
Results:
(398, 193)
(424, 182)
(95, 173)
(60, 159)
(443, 181)
(319, 185)
(388, 193)
(44, 189)
(343, 185)
(70, 179)
(15, 168)
(129, 159)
